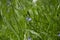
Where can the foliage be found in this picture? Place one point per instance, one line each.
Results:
(28, 20)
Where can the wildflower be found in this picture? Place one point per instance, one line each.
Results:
(28, 19)
(59, 35)
(34, 1)
(29, 38)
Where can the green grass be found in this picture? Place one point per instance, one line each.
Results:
(26, 20)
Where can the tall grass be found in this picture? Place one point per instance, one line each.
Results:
(29, 19)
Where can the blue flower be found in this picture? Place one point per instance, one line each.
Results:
(29, 38)
(28, 19)
(58, 34)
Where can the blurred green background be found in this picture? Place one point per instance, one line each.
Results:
(29, 19)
